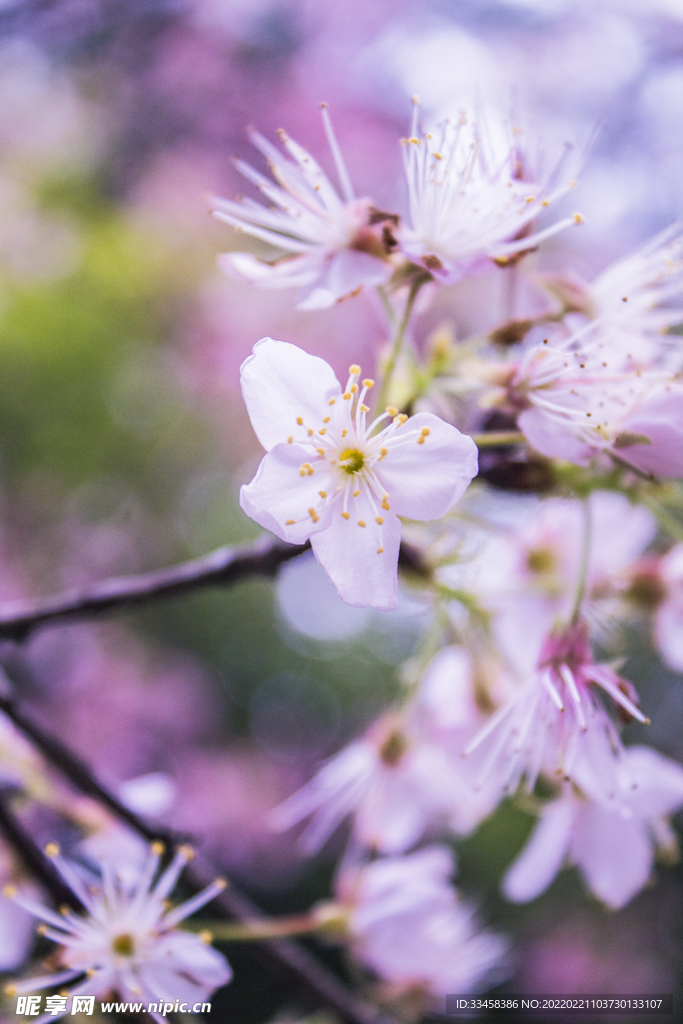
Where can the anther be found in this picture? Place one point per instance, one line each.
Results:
(345, 515)
(310, 432)
(300, 420)
(327, 419)
(313, 514)
(290, 522)
(380, 550)
(354, 369)
(400, 419)
(158, 848)
(382, 453)
(320, 451)
(322, 431)
(578, 218)
(530, 199)
(368, 383)
(353, 389)
(356, 493)
(385, 502)
(344, 432)
(206, 937)
(361, 522)
(365, 408)
(323, 494)
(378, 519)
(51, 850)
(290, 440)
(346, 396)
(392, 410)
(332, 401)
(424, 433)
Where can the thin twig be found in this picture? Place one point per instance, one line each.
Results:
(222, 568)
(33, 858)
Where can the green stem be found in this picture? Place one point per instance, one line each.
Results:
(397, 343)
(386, 305)
(257, 931)
(496, 437)
(583, 567)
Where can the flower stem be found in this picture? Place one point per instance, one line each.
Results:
(398, 342)
(498, 437)
(258, 930)
(583, 566)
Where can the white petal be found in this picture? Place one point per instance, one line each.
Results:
(343, 273)
(655, 782)
(542, 857)
(548, 437)
(661, 419)
(668, 629)
(349, 553)
(613, 853)
(184, 967)
(278, 493)
(425, 480)
(287, 273)
(280, 383)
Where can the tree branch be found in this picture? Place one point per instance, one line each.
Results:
(222, 567)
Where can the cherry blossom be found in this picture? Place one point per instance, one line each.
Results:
(393, 781)
(127, 940)
(472, 201)
(612, 845)
(334, 247)
(633, 298)
(578, 404)
(555, 720)
(330, 476)
(408, 925)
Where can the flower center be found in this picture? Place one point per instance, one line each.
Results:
(352, 461)
(123, 945)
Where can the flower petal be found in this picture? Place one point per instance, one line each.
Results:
(424, 480)
(349, 553)
(345, 272)
(281, 384)
(279, 493)
(547, 437)
(661, 419)
(540, 860)
(613, 853)
(286, 273)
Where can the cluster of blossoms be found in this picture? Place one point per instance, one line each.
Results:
(529, 477)
(516, 695)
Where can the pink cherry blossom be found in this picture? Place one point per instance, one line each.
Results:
(331, 477)
(408, 925)
(393, 781)
(332, 245)
(555, 720)
(612, 845)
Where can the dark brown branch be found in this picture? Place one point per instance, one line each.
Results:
(33, 858)
(219, 568)
(222, 567)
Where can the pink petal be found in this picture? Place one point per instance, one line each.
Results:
(278, 493)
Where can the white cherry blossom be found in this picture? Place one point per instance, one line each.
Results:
(471, 201)
(613, 846)
(333, 245)
(634, 297)
(127, 940)
(408, 925)
(331, 476)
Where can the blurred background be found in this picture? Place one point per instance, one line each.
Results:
(123, 439)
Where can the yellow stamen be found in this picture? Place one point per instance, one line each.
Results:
(385, 502)
(290, 440)
(320, 451)
(312, 513)
(290, 522)
(365, 408)
(353, 389)
(332, 401)
(380, 550)
(368, 383)
(361, 522)
(356, 493)
(392, 410)
(327, 419)
(382, 453)
(323, 494)
(346, 396)
(322, 431)
(378, 519)
(400, 419)
(345, 515)
(51, 850)
(354, 369)
(300, 420)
